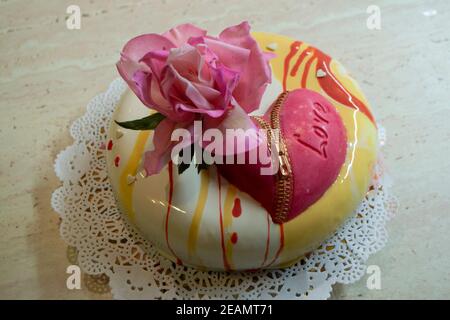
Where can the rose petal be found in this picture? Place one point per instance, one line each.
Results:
(136, 48)
(236, 118)
(226, 81)
(189, 90)
(156, 61)
(156, 159)
(148, 92)
(187, 61)
(208, 92)
(181, 34)
(269, 55)
(127, 68)
(257, 73)
(160, 155)
(208, 58)
(199, 43)
(233, 57)
(212, 113)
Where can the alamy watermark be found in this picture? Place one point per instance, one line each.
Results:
(373, 22)
(374, 280)
(73, 21)
(73, 281)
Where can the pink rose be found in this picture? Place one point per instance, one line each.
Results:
(187, 75)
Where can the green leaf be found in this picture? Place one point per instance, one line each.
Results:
(147, 123)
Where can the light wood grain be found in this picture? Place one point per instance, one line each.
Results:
(48, 74)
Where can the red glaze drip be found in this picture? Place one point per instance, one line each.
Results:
(336, 90)
(299, 61)
(331, 86)
(117, 161)
(306, 71)
(169, 206)
(295, 46)
(222, 241)
(237, 210)
(234, 238)
(266, 253)
(110, 145)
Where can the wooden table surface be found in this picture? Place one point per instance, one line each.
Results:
(48, 74)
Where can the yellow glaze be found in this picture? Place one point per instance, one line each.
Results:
(126, 189)
(195, 235)
(202, 196)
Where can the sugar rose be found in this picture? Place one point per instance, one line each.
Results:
(186, 75)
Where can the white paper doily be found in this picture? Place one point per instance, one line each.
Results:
(108, 244)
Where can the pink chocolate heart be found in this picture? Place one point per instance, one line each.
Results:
(316, 143)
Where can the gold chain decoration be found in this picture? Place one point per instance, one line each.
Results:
(285, 180)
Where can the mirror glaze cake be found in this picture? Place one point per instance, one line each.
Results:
(226, 217)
